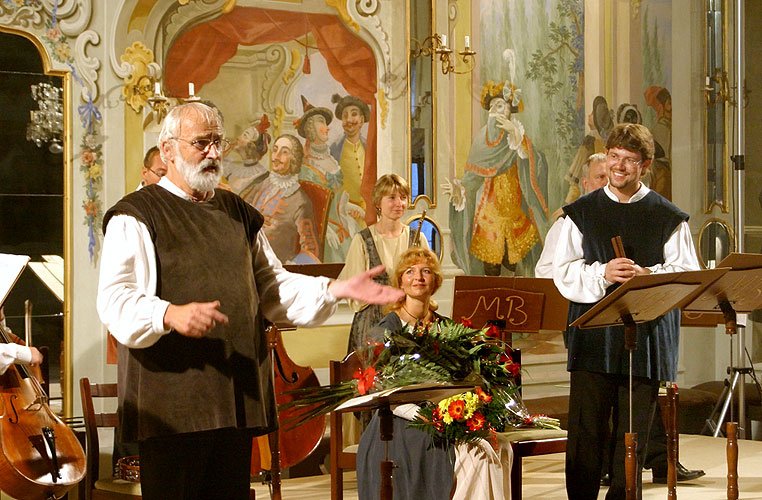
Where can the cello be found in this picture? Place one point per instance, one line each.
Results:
(40, 457)
(285, 448)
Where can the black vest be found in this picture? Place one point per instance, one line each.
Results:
(644, 226)
(182, 384)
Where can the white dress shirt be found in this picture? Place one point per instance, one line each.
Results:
(127, 303)
(13, 353)
(585, 283)
(544, 266)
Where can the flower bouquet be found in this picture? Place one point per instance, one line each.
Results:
(445, 352)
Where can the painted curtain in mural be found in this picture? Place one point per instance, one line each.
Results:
(321, 196)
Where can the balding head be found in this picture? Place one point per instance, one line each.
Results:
(594, 173)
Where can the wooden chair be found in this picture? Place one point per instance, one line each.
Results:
(321, 198)
(530, 442)
(340, 459)
(93, 487)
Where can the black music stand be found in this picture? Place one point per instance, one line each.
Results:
(644, 298)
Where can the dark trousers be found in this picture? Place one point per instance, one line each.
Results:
(594, 399)
(204, 465)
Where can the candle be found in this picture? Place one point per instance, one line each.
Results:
(468, 42)
(444, 41)
(191, 89)
(157, 88)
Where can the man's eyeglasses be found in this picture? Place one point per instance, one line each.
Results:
(154, 172)
(628, 162)
(205, 144)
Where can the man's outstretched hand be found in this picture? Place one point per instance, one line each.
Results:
(362, 288)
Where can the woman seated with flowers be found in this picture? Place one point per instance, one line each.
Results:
(424, 469)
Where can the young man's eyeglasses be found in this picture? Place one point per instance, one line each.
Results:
(628, 162)
(205, 144)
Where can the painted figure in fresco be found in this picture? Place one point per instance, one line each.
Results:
(321, 168)
(246, 171)
(289, 224)
(498, 212)
(349, 151)
(600, 121)
(660, 100)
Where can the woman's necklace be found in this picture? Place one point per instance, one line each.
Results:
(418, 320)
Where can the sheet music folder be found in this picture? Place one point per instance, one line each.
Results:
(11, 267)
(741, 286)
(415, 393)
(646, 297)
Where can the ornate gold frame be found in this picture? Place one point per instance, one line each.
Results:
(733, 244)
(66, 363)
(721, 81)
(436, 226)
(431, 201)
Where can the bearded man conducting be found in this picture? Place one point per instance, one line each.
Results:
(187, 278)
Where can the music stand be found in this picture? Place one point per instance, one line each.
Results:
(736, 292)
(640, 299)
(383, 401)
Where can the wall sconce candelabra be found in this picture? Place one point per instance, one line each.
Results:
(160, 103)
(46, 123)
(436, 45)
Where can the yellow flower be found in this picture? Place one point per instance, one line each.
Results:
(62, 51)
(95, 171)
(470, 399)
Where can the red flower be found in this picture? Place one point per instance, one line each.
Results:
(506, 358)
(378, 347)
(456, 409)
(365, 379)
(435, 345)
(436, 417)
(513, 368)
(476, 422)
(483, 396)
(492, 331)
(466, 322)
(91, 208)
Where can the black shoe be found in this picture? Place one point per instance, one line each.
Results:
(683, 474)
(606, 480)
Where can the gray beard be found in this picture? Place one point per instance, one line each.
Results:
(194, 175)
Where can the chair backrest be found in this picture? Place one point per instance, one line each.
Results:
(340, 460)
(321, 198)
(341, 371)
(93, 421)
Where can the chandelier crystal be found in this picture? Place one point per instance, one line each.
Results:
(46, 123)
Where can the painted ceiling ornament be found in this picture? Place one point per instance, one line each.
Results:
(138, 85)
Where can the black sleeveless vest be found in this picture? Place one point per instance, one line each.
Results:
(182, 384)
(645, 226)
